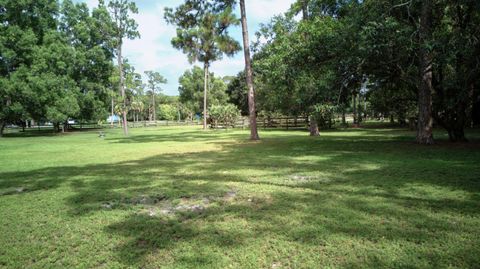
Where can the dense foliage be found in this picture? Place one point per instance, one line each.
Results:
(55, 61)
(191, 91)
(415, 61)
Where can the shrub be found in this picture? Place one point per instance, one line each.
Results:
(224, 115)
(324, 114)
(168, 112)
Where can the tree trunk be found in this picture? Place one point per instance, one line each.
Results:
(425, 89)
(2, 127)
(122, 89)
(305, 9)
(205, 90)
(344, 118)
(359, 109)
(249, 75)
(471, 105)
(355, 121)
(113, 113)
(154, 111)
(314, 131)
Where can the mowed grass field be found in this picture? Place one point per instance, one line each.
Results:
(184, 198)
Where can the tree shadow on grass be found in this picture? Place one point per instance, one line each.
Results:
(294, 191)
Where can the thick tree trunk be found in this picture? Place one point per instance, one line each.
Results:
(122, 89)
(314, 131)
(205, 92)
(56, 127)
(425, 89)
(249, 74)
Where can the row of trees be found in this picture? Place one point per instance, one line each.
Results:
(56, 60)
(143, 100)
(416, 60)
(56, 64)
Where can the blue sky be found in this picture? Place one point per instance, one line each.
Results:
(153, 50)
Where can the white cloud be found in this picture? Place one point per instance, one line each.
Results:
(153, 50)
(229, 66)
(264, 10)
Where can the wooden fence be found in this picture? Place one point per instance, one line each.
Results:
(288, 123)
(283, 123)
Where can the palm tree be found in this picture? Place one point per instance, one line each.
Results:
(137, 107)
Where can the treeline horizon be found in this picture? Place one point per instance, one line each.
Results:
(415, 62)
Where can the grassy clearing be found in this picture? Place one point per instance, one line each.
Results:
(183, 198)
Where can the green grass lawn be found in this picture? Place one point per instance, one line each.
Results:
(184, 198)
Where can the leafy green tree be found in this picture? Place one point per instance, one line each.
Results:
(124, 27)
(154, 80)
(168, 112)
(237, 92)
(23, 25)
(456, 70)
(191, 90)
(51, 79)
(93, 56)
(296, 76)
(202, 34)
(421, 45)
(55, 61)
